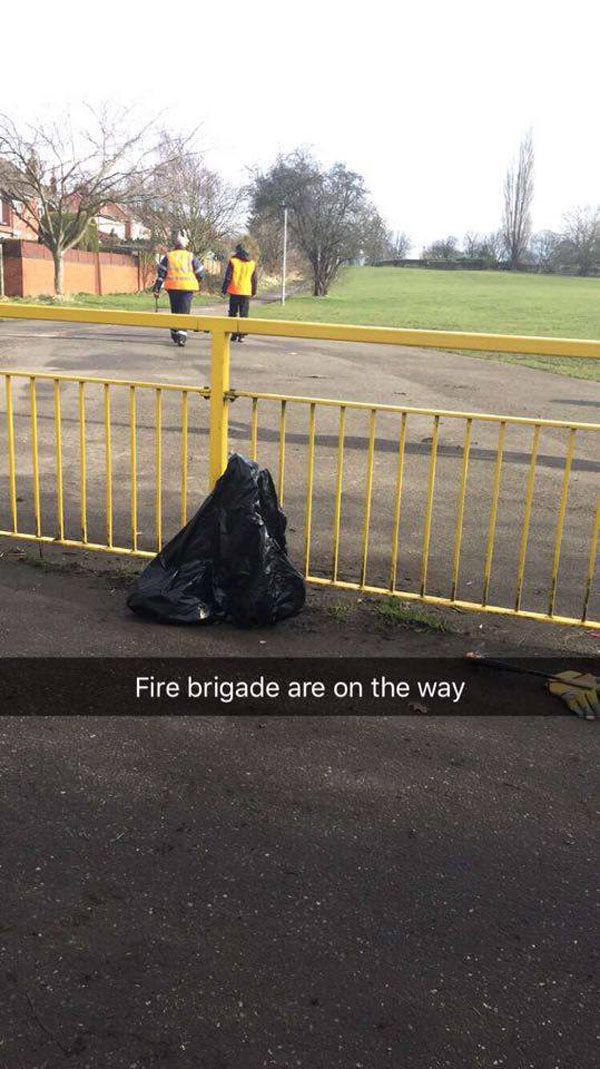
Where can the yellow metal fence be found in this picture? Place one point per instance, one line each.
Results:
(436, 498)
(471, 510)
(51, 474)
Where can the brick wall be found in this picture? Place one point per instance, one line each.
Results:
(29, 271)
(13, 273)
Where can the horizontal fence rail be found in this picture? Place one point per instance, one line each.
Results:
(469, 510)
(519, 344)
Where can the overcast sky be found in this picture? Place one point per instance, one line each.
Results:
(428, 104)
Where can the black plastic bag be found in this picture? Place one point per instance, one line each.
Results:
(229, 562)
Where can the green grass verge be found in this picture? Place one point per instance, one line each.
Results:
(123, 302)
(341, 611)
(489, 301)
(394, 613)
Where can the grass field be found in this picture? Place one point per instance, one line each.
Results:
(493, 301)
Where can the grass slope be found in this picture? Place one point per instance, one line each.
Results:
(489, 301)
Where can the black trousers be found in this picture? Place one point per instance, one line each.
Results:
(181, 304)
(238, 306)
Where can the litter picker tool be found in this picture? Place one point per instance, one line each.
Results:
(580, 691)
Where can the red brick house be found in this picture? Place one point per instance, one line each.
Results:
(12, 226)
(113, 223)
(26, 268)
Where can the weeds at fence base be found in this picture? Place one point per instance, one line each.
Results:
(341, 611)
(112, 569)
(394, 613)
(390, 613)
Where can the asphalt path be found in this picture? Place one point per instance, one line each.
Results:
(325, 893)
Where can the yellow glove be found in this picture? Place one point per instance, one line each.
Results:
(580, 692)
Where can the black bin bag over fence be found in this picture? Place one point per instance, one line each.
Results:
(229, 562)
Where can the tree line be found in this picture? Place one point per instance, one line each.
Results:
(60, 176)
(575, 248)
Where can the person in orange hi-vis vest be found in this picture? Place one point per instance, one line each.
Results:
(181, 274)
(239, 283)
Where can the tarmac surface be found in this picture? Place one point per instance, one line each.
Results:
(217, 893)
(322, 892)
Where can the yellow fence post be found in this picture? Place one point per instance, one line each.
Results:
(219, 410)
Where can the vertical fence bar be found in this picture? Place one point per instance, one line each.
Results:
(35, 457)
(10, 441)
(309, 488)
(60, 507)
(254, 429)
(527, 516)
(429, 505)
(133, 462)
(108, 466)
(281, 472)
(398, 503)
(489, 549)
(158, 471)
(591, 568)
(368, 496)
(337, 518)
(82, 452)
(219, 405)
(560, 523)
(184, 456)
(461, 507)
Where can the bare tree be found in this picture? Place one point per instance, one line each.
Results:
(445, 249)
(484, 247)
(399, 245)
(518, 197)
(492, 247)
(268, 235)
(328, 211)
(188, 197)
(544, 250)
(580, 239)
(59, 175)
(376, 238)
(471, 245)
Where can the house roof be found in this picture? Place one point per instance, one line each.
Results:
(116, 213)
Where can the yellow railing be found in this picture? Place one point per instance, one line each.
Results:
(94, 405)
(501, 512)
(401, 420)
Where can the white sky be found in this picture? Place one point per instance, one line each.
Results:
(428, 104)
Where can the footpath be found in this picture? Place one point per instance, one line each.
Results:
(70, 603)
(266, 891)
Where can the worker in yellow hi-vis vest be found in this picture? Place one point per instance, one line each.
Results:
(240, 283)
(181, 274)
